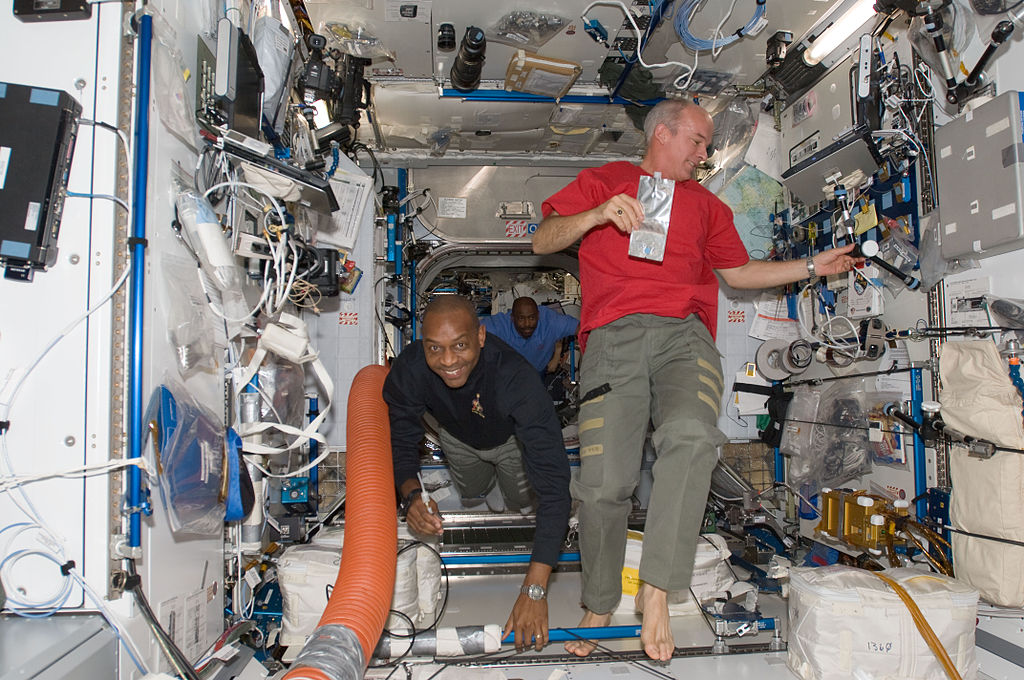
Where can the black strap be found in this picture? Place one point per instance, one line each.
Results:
(409, 498)
(767, 390)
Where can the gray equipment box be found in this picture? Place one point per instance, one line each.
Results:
(978, 165)
(824, 136)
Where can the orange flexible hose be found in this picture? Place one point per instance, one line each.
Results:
(366, 578)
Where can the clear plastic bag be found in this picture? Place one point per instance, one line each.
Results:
(190, 328)
(174, 99)
(932, 265)
(273, 44)
(282, 384)
(826, 439)
(649, 239)
(840, 436)
(804, 468)
(189, 459)
(355, 40)
(887, 436)
(900, 253)
(526, 28)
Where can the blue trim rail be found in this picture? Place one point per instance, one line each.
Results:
(137, 281)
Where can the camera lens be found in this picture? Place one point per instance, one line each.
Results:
(469, 62)
(445, 37)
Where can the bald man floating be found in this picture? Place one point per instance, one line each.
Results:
(648, 330)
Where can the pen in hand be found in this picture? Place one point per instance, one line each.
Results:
(424, 494)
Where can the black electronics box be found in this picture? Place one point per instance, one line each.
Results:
(325, 276)
(38, 127)
(52, 10)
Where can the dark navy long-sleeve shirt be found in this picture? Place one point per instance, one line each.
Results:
(502, 396)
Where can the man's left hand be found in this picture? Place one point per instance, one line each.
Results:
(529, 620)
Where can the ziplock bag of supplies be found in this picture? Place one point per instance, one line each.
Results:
(188, 445)
(648, 240)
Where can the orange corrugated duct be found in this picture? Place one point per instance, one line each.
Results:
(351, 625)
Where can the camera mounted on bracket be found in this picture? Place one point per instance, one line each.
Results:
(334, 96)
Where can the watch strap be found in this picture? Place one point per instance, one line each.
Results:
(409, 498)
(525, 590)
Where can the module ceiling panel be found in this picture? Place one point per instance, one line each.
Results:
(411, 112)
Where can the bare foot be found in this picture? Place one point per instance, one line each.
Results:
(590, 620)
(656, 632)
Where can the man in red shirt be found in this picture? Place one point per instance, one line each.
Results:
(648, 332)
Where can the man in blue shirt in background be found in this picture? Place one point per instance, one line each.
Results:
(532, 331)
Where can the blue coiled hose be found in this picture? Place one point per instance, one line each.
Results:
(682, 25)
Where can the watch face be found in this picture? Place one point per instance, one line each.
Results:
(536, 592)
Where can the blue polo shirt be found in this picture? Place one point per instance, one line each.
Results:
(552, 326)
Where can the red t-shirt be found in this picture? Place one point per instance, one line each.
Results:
(701, 238)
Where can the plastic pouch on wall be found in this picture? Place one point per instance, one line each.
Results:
(190, 329)
(174, 99)
(355, 40)
(648, 240)
(526, 28)
(888, 438)
(189, 451)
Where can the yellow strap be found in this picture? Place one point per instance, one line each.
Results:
(923, 627)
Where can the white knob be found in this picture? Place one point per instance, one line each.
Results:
(865, 502)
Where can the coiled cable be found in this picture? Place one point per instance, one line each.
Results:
(689, 7)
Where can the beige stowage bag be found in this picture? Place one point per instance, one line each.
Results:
(978, 399)
(847, 623)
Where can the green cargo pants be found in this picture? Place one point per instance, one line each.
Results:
(665, 372)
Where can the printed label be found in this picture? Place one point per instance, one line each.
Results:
(5, 160)
(451, 207)
(519, 228)
(32, 216)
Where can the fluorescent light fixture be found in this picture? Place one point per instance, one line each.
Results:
(843, 27)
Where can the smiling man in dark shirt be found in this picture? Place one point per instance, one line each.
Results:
(497, 426)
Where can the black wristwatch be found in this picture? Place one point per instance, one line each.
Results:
(409, 498)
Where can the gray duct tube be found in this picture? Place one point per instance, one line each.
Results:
(332, 649)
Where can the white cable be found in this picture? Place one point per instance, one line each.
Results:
(827, 340)
(130, 646)
(913, 140)
(637, 31)
(5, 407)
(121, 134)
(716, 47)
(107, 197)
(205, 285)
(922, 72)
(8, 482)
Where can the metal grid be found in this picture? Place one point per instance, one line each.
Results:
(754, 461)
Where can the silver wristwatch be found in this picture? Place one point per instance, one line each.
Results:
(810, 266)
(534, 591)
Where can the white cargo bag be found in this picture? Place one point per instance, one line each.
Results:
(988, 495)
(847, 623)
(711, 574)
(304, 573)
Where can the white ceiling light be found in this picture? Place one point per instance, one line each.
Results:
(843, 27)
